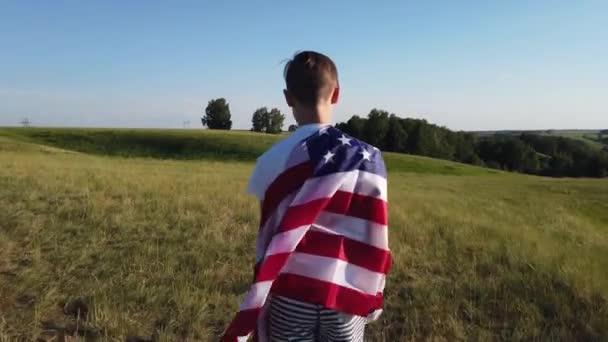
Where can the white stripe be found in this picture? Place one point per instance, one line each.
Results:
(298, 155)
(354, 228)
(355, 181)
(373, 316)
(270, 227)
(335, 271)
(287, 241)
(372, 185)
(325, 186)
(256, 296)
(382, 286)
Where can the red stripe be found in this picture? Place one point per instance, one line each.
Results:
(345, 203)
(352, 251)
(271, 266)
(243, 323)
(287, 182)
(304, 214)
(329, 295)
(355, 205)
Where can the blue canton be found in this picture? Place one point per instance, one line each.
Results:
(332, 151)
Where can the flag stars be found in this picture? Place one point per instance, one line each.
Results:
(344, 140)
(323, 130)
(366, 155)
(328, 157)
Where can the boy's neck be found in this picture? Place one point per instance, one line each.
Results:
(308, 116)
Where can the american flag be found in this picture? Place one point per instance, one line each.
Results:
(323, 235)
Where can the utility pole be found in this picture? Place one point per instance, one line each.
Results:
(26, 122)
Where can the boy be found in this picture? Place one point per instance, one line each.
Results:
(322, 250)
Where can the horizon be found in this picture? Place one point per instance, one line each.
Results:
(286, 126)
(471, 66)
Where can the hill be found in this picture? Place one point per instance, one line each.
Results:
(589, 136)
(161, 249)
(200, 144)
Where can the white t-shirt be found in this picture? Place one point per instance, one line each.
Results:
(270, 164)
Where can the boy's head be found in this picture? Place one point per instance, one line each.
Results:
(312, 82)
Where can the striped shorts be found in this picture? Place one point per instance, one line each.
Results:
(291, 320)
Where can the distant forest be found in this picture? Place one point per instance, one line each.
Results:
(527, 152)
(537, 154)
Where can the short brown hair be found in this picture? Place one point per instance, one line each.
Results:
(310, 76)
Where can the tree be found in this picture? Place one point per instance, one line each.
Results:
(258, 120)
(293, 128)
(275, 121)
(376, 127)
(424, 140)
(355, 126)
(217, 115)
(531, 162)
(522, 152)
(465, 148)
(559, 165)
(396, 135)
(267, 121)
(513, 151)
(598, 165)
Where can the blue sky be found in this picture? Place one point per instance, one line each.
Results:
(470, 65)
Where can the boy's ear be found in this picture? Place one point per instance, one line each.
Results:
(288, 98)
(335, 95)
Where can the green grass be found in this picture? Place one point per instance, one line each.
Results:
(176, 144)
(200, 144)
(164, 248)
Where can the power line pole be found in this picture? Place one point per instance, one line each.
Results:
(26, 122)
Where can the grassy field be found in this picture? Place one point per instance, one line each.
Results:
(211, 145)
(162, 249)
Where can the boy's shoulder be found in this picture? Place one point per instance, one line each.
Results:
(278, 150)
(283, 148)
(272, 162)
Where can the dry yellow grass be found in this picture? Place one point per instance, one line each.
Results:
(164, 250)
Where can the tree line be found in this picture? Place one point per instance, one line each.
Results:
(217, 116)
(528, 153)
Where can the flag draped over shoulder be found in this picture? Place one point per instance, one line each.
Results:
(323, 235)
